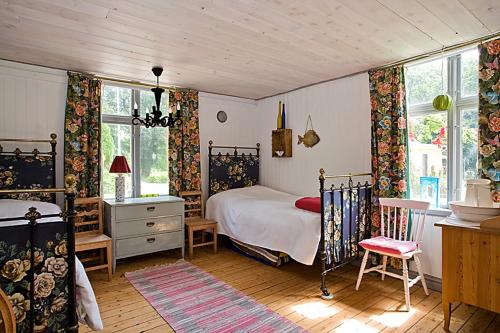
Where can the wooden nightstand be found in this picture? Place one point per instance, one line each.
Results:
(144, 225)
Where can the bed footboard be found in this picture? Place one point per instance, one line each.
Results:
(39, 262)
(345, 221)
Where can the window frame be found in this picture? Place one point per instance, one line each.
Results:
(135, 132)
(454, 171)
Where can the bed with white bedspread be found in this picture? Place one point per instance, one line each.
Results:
(263, 217)
(87, 308)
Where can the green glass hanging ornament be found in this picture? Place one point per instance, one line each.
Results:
(442, 102)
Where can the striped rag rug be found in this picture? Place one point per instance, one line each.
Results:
(191, 300)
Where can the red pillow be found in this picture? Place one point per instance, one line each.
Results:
(312, 204)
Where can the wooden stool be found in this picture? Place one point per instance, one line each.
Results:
(201, 225)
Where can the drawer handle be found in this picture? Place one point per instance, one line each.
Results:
(151, 240)
(150, 224)
(150, 209)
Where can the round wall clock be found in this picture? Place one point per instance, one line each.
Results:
(221, 116)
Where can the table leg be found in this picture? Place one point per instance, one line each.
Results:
(447, 314)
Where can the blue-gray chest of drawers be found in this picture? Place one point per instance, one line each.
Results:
(144, 225)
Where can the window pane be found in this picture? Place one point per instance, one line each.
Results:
(424, 81)
(116, 101)
(469, 133)
(115, 140)
(147, 100)
(428, 158)
(469, 71)
(154, 160)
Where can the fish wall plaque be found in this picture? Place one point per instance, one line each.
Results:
(310, 137)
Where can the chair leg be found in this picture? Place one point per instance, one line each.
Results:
(421, 273)
(190, 243)
(109, 255)
(406, 284)
(215, 239)
(384, 266)
(362, 269)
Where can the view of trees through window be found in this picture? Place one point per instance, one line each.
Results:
(432, 154)
(120, 137)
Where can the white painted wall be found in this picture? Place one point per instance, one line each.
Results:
(340, 112)
(32, 103)
(239, 129)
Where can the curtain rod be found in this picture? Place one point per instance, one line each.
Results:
(453, 47)
(127, 82)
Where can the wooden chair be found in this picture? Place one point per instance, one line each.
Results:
(195, 221)
(193, 205)
(398, 241)
(89, 234)
(7, 317)
(201, 225)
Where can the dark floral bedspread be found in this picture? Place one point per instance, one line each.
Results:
(51, 271)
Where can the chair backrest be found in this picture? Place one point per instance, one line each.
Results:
(193, 204)
(7, 317)
(89, 216)
(395, 215)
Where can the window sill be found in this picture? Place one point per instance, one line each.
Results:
(441, 212)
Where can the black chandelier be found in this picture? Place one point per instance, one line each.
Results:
(156, 118)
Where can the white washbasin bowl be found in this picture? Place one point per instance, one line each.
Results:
(472, 213)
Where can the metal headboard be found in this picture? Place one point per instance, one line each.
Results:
(35, 153)
(248, 163)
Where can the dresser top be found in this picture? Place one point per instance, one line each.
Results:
(146, 200)
(456, 223)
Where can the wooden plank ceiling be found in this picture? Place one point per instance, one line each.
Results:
(247, 48)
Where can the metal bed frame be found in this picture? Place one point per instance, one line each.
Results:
(330, 261)
(68, 216)
(350, 211)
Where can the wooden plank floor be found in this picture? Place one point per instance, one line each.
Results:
(291, 291)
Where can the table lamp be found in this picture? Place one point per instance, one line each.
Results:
(119, 166)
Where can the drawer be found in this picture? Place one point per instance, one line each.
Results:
(148, 226)
(134, 212)
(147, 244)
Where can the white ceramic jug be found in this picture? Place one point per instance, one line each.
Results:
(478, 193)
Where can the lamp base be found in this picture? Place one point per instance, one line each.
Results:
(120, 188)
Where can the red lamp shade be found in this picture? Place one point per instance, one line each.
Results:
(119, 165)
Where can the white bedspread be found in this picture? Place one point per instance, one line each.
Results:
(267, 218)
(87, 308)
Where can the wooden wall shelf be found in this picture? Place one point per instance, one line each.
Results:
(282, 140)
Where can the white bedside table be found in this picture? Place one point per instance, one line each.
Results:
(144, 225)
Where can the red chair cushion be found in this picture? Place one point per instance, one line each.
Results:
(311, 204)
(388, 245)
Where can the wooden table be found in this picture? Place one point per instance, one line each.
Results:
(471, 266)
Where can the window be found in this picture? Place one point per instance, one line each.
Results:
(442, 144)
(146, 149)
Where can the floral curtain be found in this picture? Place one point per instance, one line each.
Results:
(82, 133)
(389, 137)
(489, 114)
(184, 144)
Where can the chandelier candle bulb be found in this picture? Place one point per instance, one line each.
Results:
(136, 110)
